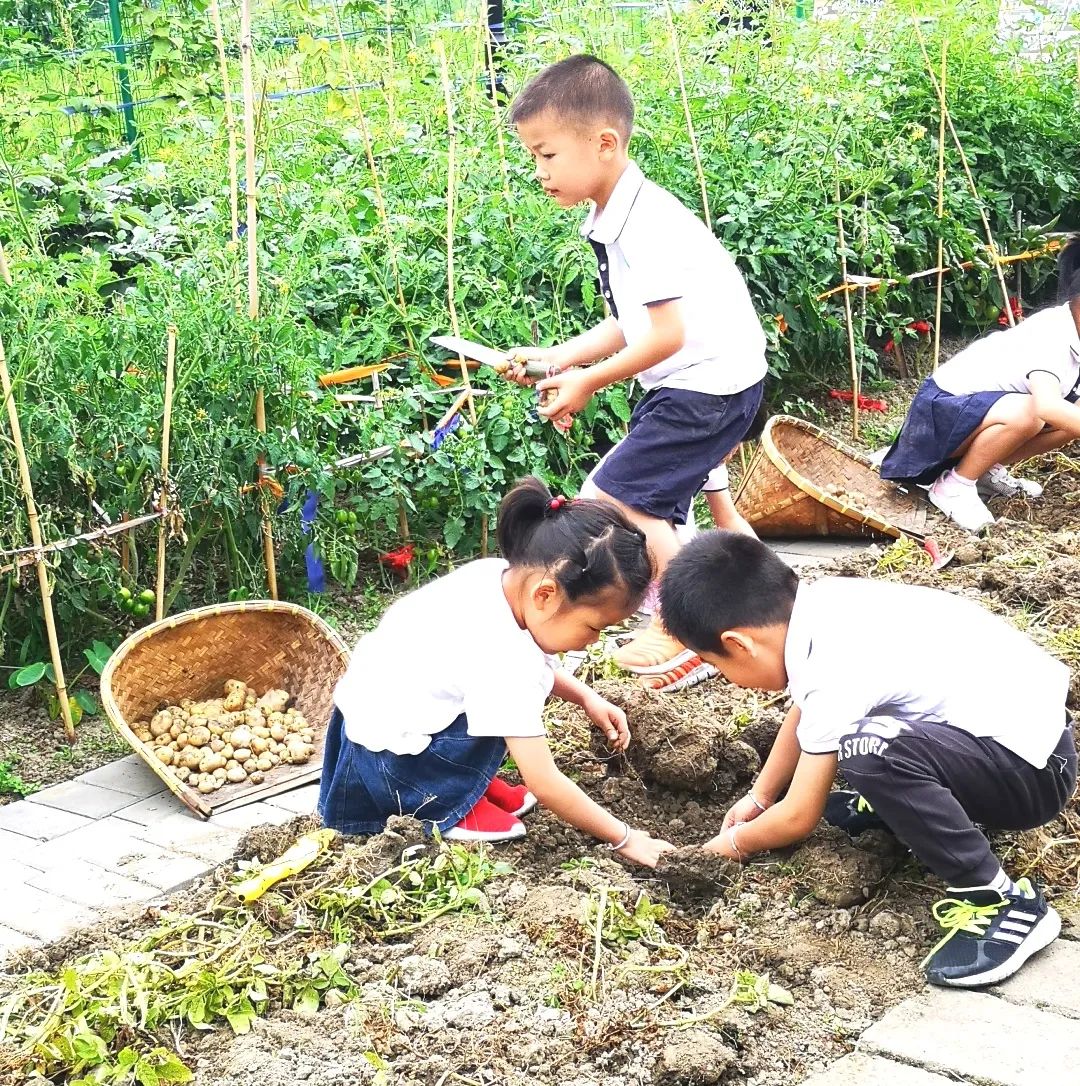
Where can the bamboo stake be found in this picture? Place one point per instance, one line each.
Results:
(230, 120)
(390, 75)
(500, 143)
(990, 244)
(376, 184)
(940, 209)
(35, 536)
(686, 112)
(451, 180)
(847, 315)
(253, 271)
(170, 365)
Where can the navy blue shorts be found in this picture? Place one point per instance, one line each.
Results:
(676, 438)
(937, 424)
(361, 789)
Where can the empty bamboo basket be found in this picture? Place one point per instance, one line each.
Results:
(803, 482)
(269, 645)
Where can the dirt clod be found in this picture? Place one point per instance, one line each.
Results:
(695, 869)
(695, 1056)
(839, 872)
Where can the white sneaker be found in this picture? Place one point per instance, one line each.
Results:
(999, 483)
(961, 504)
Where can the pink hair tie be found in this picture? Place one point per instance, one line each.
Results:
(556, 503)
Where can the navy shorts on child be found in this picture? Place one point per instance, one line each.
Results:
(950, 406)
(701, 400)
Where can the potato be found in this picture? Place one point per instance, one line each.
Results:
(251, 765)
(143, 735)
(164, 755)
(220, 774)
(259, 745)
(182, 773)
(273, 701)
(211, 762)
(249, 701)
(256, 777)
(266, 762)
(236, 775)
(182, 740)
(161, 723)
(242, 755)
(240, 737)
(191, 757)
(176, 729)
(228, 752)
(235, 695)
(277, 732)
(217, 744)
(232, 763)
(199, 736)
(206, 784)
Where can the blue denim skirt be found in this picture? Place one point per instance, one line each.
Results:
(937, 424)
(361, 789)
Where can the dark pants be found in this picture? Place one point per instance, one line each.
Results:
(930, 783)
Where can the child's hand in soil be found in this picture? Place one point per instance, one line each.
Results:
(643, 849)
(610, 719)
(745, 810)
(720, 845)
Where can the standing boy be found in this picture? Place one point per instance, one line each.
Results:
(680, 317)
(961, 720)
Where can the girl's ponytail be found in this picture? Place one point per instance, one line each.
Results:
(1069, 270)
(520, 514)
(587, 546)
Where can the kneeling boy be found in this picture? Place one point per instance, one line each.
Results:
(949, 717)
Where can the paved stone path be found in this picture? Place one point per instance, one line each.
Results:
(115, 836)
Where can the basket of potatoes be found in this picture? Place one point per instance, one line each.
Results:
(227, 704)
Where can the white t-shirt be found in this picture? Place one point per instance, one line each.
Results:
(1002, 361)
(451, 647)
(657, 250)
(859, 649)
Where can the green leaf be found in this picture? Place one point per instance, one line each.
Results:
(87, 702)
(27, 676)
(307, 1001)
(777, 994)
(240, 1020)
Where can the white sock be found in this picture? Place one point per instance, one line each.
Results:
(1000, 882)
(952, 481)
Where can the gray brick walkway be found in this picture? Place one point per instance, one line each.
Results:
(113, 836)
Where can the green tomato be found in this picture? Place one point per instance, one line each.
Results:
(431, 503)
(122, 468)
(124, 593)
(353, 518)
(433, 555)
(341, 516)
(127, 606)
(141, 609)
(147, 596)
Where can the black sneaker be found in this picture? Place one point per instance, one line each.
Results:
(851, 813)
(989, 935)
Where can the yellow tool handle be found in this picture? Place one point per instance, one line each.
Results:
(299, 856)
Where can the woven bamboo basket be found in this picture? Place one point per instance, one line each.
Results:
(803, 482)
(266, 644)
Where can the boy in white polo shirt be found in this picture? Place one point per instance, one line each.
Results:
(681, 320)
(932, 736)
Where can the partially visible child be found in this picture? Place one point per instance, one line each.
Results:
(681, 319)
(458, 671)
(930, 734)
(1004, 399)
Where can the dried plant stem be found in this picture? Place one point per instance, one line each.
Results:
(5, 271)
(166, 426)
(230, 120)
(451, 196)
(250, 182)
(694, 150)
(390, 75)
(496, 113)
(847, 315)
(35, 536)
(369, 154)
(940, 210)
(939, 89)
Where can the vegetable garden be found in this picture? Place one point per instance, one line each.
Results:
(391, 204)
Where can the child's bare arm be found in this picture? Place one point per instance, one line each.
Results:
(666, 335)
(788, 821)
(1051, 406)
(602, 341)
(774, 777)
(610, 719)
(567, 801)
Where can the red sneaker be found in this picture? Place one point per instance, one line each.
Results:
(486, 822)
(515, 799)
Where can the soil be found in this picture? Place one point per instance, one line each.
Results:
(38, 753)
(521, 992)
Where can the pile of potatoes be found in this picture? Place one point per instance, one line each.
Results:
(240, 737)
